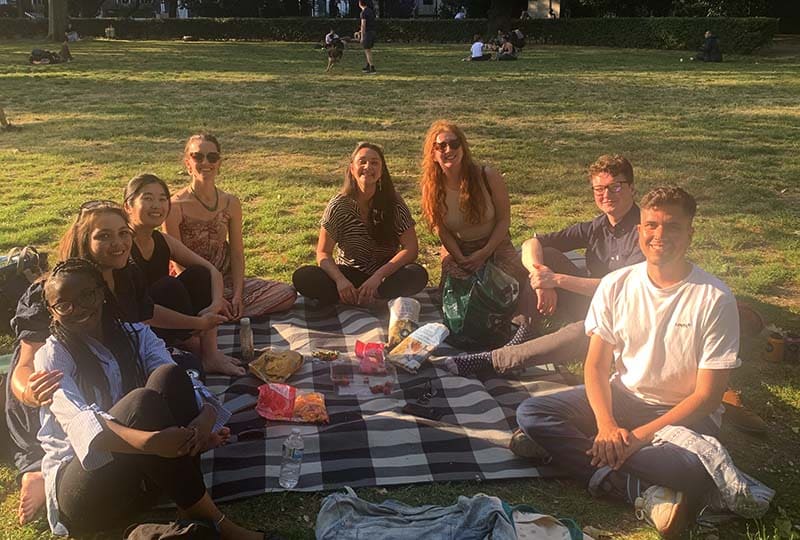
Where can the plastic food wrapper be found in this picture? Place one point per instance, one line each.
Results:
(403, 319)
(283, 402)
(276, 366)
(370, 358)
(413, 350)
(342, 372)
(325, 355)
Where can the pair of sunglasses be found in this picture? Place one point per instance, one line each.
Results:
(453, 144)
(99, 204)
(428, 392)
(212, 157)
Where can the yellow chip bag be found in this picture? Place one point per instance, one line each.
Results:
(276, 366)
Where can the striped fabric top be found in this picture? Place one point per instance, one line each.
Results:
(354, 245)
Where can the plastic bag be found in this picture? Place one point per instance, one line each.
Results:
(403, 319)
(283, 402)
(370, 358)
(415, 349)
(276, 366)
(478, 309)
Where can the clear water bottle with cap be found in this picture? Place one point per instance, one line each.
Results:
(292, 458)
(246, 343)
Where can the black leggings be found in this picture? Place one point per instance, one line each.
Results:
(313, 282)
(189, 293)
(101, 498)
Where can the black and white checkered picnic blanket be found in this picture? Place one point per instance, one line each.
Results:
(369, 441)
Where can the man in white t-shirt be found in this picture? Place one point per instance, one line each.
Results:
(476, 50)
(671, 333)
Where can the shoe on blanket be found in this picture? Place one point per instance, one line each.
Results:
(665, 509)
(740, 417)
(523, 446)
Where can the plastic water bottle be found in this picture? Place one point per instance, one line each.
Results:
(292, 458)
(246, 340)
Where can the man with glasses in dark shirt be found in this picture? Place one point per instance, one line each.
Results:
(557, 285)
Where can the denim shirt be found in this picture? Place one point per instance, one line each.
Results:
(70, 423)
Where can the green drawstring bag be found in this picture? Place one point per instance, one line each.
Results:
(478, 309)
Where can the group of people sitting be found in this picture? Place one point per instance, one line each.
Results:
(119, 420)
(505, 46)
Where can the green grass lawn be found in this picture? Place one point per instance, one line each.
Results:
(729, 133)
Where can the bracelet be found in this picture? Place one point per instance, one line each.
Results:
(219, 521)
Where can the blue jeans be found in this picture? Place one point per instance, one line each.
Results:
(564, 424)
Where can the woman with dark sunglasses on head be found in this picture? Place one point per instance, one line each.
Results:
(126, 424)
(197, 290)
(100, 234)
(467, 205)
(209, 222)
(373, 232)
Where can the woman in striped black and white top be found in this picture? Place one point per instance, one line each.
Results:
(373, 233)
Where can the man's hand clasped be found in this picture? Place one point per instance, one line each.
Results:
(613, 445)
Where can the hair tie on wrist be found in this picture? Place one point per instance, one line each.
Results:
(219, 521)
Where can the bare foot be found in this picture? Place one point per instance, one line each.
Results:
(221, 363)
(31, 496)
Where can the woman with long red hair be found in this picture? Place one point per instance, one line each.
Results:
(466, 204)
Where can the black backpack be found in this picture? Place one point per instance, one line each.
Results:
(20, 268)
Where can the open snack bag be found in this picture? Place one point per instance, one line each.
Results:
(284, 403)
(415, 349)
(370, 358)
(403, 319)
(276, 366)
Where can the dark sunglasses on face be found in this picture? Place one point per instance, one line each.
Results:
(198, 157)
(453, 144)
(87, 301)
(613, 187)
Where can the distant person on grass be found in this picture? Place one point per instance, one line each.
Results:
(374, 237)
(476, 53)
(709, 51)
(507, 51)
(671, 331)
(368, 33)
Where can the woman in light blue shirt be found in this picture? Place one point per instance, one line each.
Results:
(124, 425)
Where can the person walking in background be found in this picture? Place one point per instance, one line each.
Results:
(368, 33)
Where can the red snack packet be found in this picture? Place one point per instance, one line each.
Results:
(370, 357)
(276, 401)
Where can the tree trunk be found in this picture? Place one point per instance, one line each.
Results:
(172, 6)
(58, 16)
(21, 8)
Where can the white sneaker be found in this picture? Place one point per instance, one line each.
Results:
(665, 509)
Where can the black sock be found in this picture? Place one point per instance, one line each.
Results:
(467, 365)
(524, 333)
